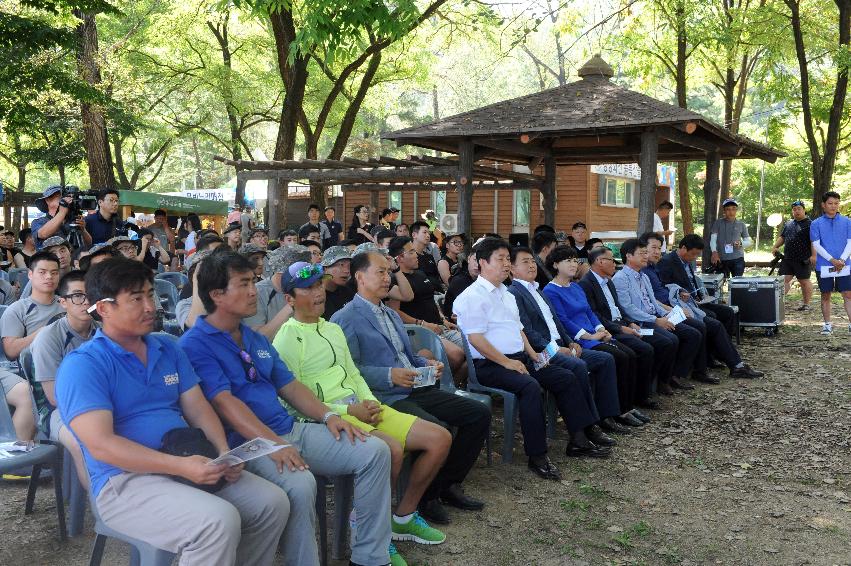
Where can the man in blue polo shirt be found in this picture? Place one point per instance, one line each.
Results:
(831, 237)
(243, 377)
(120, 393)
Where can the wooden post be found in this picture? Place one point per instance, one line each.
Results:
(549, 191)
(465, 187)
(710, 200)
(271, 212)
(647, 187)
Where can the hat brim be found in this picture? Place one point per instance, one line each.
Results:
(305, 283)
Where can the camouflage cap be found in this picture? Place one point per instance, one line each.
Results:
(118, 240)
(196, 258)
(369, 247)
(280, 259)
(248, 249)
(55, 241)
(334, 254)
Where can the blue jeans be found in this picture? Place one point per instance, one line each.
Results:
(733, 267)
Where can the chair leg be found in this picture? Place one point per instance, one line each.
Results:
(67, 469)
(135, 556)
(322, 518)
(77, 503)
(97, 550)
(344, 488)
(508, 429)
(60, 501)
(35, 474)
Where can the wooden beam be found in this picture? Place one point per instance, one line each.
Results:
(339, 176)
(592, 141)
(690, 140)
(514, 147)
(431, 187)
(464, 173)
(647, 186)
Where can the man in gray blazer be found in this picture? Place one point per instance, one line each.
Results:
(381, 349)
(635, 293)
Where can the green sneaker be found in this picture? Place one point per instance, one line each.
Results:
(416, 530)
(396, 558)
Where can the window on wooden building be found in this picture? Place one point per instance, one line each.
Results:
(394, 200)
(438, 203)
(618, 192)
(522, 204)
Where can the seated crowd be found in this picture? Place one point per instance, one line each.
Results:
(302, 341)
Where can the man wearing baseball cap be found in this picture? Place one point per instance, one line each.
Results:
(55, 221)
(233, 235)
(338, 292)
(798, 257)
(257, 256)
(272, 308)
(728, 240)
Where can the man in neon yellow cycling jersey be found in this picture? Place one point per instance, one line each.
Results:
(317, 353)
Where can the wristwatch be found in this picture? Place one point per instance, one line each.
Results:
(327, 416)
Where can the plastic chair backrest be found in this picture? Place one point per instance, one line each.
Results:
(471, 367)
(25, 362)
(7, 427)
(4, 275)
(176, 278)
(19, 274)
(423, 338)
(167, 293)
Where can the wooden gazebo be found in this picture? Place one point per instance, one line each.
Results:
(590, 121)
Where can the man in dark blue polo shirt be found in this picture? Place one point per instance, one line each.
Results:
(104, 222)
(243, 377)
(120, 393)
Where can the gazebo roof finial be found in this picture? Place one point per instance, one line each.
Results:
(596, 67)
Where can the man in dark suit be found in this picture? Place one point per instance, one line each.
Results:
(542, 328)
(678, 267)
(654, 356)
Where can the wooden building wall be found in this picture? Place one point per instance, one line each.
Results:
(577, 200)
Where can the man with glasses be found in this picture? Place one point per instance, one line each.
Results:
(798, 255)
(245, 379)
(315, 251)
(51, 345)
(123, 394)
(272, 309)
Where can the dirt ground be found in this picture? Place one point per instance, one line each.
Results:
(742, 473)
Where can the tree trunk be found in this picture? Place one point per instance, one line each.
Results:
(199, 177)
(682, 102)
(95, 137)
(294, 77)
(710, 196)
(61, 169)
(648, 162)
(16, 219)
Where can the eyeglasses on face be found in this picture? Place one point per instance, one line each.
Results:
(76, 298)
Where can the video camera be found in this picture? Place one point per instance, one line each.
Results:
(81, 200)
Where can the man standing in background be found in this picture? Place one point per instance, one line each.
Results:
(798, 256)
(728, 240)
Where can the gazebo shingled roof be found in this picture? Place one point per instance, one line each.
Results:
(592, 120)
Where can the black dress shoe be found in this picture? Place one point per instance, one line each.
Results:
(746, 371)
(598, 437)
(454, 495)
(651, 404)
(628, 420)
(433, 512)
(677, 384)
(664, 389)
(612, 426)
(588, 449)
(704, 377)
(544, 468)
(640, 416)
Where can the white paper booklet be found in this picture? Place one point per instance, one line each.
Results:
(248, 451)
(830, 271)
(676, 316)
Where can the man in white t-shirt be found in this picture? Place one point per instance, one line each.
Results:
(663, 211)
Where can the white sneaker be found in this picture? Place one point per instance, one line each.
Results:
(826, 329)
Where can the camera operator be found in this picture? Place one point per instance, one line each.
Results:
(104, 224)
(55, 222)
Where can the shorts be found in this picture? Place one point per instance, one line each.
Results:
(393, 423)
(56, 425)
(9, 380)
(830, 284)
(799, 268)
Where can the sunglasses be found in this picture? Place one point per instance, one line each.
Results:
(308, 271)
(248, 365)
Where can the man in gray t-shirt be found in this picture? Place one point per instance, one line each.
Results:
(728, 240)
(23, 318)
(50, 347)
